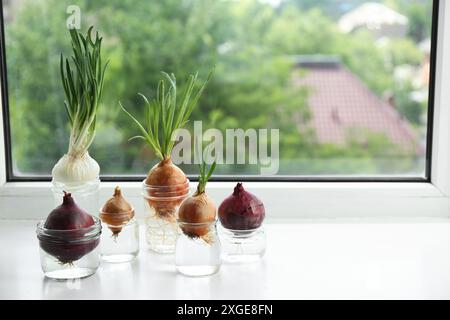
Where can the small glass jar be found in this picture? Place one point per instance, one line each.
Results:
(242, 246)
(87, 194)
(69, 254)
(161, 204)
(120, 242)
(196, 255)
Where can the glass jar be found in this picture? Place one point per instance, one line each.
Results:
(69, 254)
(87, 194)
(197, 250)
(242, 246)
(120, 241)
(161, 204)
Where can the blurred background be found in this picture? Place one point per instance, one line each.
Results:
(346, 82)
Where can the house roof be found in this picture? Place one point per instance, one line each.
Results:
(373, 16)
(339, 101)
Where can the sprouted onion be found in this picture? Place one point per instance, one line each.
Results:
(82, 77)
(166, 113)
(198, 211)
(116, 212)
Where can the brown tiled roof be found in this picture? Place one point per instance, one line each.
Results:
(339, 102)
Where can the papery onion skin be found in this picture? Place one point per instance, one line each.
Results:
(116, 212)
(73, 170)
(169, 181)
(197, 209)
(165, 173)
(241, 210)
(69, 217)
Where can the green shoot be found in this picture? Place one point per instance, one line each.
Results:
(82, 77)
(167, 112)
(204, 176)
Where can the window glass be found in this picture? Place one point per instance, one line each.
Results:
(345, 82)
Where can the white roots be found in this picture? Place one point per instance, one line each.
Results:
(74, 170)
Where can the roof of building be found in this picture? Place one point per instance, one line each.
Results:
(339, 101)
(371, 15)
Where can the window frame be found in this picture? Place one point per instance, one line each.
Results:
(12, 177)
(303, 197)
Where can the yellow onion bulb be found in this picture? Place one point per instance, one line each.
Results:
(116, 212)
(168, 186)
(196, 213)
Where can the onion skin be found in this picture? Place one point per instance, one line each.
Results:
(165, 173)
(168, 181)
(69, 217)
(241, 210)
(73, 170)
(116, 212)
(67, 253)
(199, 208)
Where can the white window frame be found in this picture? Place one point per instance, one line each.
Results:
(291, 200)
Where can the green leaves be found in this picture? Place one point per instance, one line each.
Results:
(165, 113)
(82, 77)
(204, 176)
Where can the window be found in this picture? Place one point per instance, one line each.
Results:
(347, 83)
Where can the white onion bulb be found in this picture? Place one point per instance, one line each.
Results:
(72, 170)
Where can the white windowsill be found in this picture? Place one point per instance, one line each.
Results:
(342, 260)
(34, 200)
(325, 240)
(302, 200)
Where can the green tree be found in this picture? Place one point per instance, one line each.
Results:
(249, 43)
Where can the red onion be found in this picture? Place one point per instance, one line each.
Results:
(68, 216)
(241, 210)
(68, 226)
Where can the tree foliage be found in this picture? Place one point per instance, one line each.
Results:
(247, 41)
